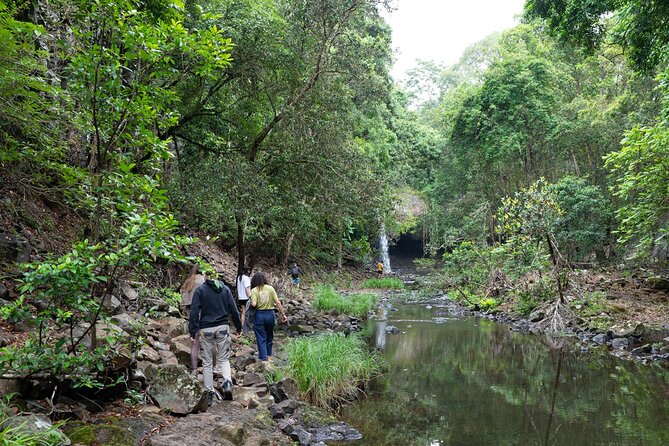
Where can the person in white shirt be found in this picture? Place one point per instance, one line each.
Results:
(244, 293)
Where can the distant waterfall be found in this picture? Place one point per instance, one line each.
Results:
(383, 242)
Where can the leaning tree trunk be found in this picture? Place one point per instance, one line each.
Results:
(241, 253)
(286, 250)
(556, 267)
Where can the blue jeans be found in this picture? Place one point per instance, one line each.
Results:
(263, 327)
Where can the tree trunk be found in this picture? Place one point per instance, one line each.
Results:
(286, 250)
(556, 267)
(241, 254)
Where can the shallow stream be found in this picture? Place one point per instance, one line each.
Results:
(463, 381)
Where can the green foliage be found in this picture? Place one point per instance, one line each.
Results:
(12, 434)
(328, 368)
(327, 299)
(584, 225)
(392, 283)
(641, 172)
(594, 308)
(488, 303)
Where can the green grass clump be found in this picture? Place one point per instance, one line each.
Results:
(384, 282)
(327, 298)
(19, 434)
(329, 368)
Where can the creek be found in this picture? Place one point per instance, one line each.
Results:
(458, 380)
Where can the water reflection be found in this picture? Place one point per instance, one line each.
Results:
(474, 382)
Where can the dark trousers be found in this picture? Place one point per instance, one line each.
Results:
(263, 327)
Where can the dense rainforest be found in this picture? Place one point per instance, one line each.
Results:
(131, 129)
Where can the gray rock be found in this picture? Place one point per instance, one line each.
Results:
(253, 379)
(636, 332)
(234, 432)
(288, 406)
(14, 248)
(392, 329)
(601, 339)
(537, 315)
(277, 411)
(36, 424)
(644, 349)
(284, 389)
(337, 432)
(146, 353)
(174, 389)
(286, 426)
(167, 357)
(302, 436)
(620, 343)
(127, 322)
(112, 304)
(129, 292)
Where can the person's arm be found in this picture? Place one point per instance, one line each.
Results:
(284, 318)
(194, 316)
(232, 309)
(247, 287)
(254, 299)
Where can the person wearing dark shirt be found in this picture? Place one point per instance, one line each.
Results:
(210, 309)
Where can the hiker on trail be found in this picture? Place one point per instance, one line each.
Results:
(244, 295)
(379, 269)
(263, 299)
(295, 273)
(212, 305)
(194, 280)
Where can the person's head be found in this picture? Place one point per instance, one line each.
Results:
(246, 270)
(258, 279)
(189, 284)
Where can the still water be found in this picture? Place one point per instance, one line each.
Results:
(464, 381)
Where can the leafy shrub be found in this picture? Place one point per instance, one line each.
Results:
(594, 308)
(488, 303)
(384, 282)
(329, 368)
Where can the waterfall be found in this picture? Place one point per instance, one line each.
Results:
(383, 242)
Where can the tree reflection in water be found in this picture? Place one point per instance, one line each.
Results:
(474, 382)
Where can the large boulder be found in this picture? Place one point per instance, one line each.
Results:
(35, 425)
(174, 389)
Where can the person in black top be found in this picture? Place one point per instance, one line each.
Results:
(211, 306)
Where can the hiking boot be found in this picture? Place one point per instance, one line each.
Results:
(210, 398)
(227, 390)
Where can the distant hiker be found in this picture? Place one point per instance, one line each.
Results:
(194, 280)
(295, 273)
(379, 269)
(212, 305)
(264, 298)
(244, 295)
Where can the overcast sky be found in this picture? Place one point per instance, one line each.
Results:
(440, 30)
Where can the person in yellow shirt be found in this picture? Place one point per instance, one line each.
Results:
(379, 269)
(264, 299)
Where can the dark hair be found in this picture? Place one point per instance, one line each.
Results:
(189, 284)
(245, 270)
(258, 279)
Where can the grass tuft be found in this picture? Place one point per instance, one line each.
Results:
(384, 282)
(327, 298)
(330, 368)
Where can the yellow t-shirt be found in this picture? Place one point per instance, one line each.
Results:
(264, 297)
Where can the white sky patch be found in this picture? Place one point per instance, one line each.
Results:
(440, 30)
